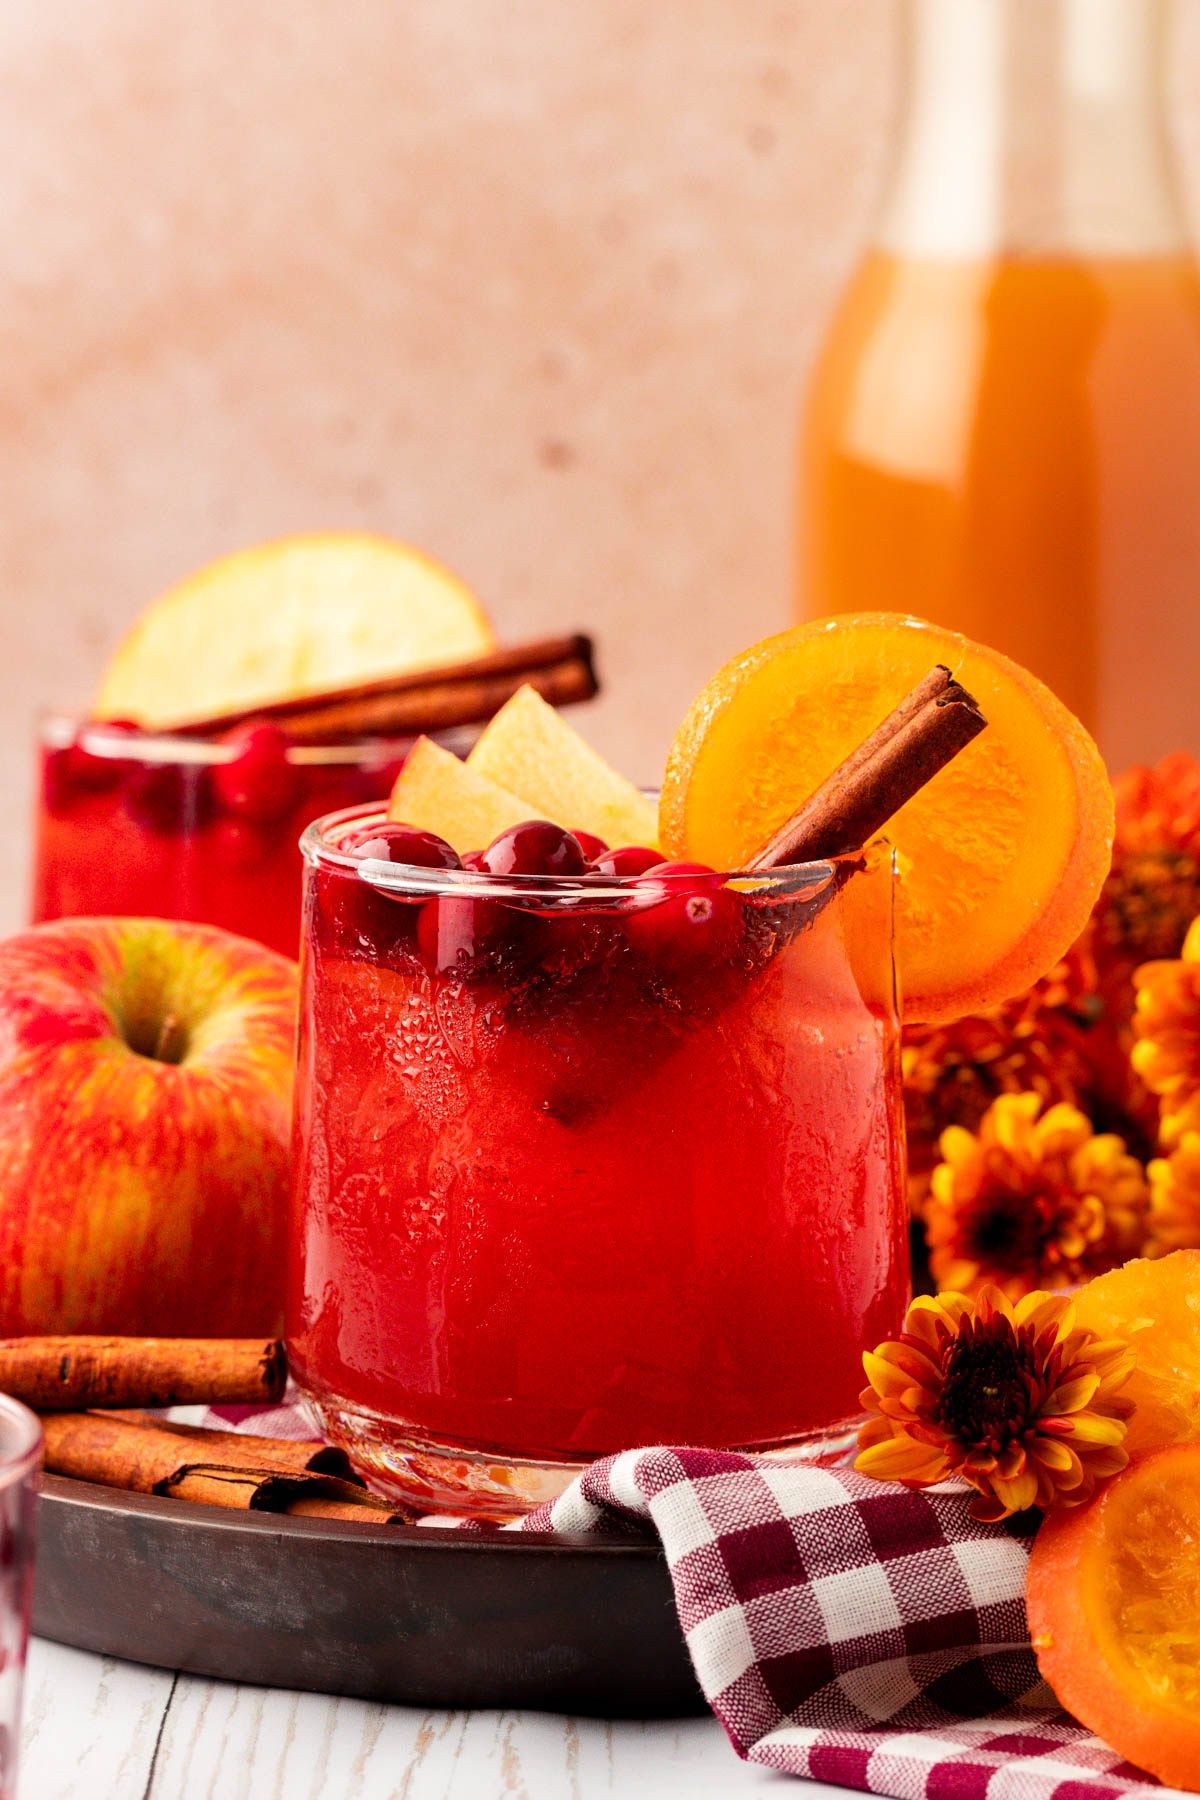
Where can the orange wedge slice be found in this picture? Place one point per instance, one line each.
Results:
(301, 615)
(1113, 1596)
(1001, 856)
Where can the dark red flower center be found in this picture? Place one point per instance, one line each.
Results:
(1010, 1230)
(992, 1386)
(1149, 901)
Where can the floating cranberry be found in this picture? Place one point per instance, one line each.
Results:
(405, 845)
(428, 934)
(631, 859)
(95, 774)
(259, 782)
(460, 935)
(85, 765)
(370, 922)
(57, 788)
(591, 845)
(534, 848)
(694, 919)
(472, 859)
(169, 799)
(237, 845)
(69, 775)
(357, 920)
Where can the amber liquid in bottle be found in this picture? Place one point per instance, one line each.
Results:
(1008, 442)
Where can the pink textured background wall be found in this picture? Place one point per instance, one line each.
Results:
(534, 286)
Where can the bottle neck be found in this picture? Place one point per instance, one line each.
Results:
(1034, 127)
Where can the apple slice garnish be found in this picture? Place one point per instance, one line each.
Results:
(530, 750)
(436, 792)
(301, 615)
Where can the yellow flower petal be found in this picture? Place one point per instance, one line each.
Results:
(1040, 1309)
(1061, 1463)
(901, 1459)
(1093, 1428)
(1074, 1393)
(1019, 1493)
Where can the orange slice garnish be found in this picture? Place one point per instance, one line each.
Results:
(1113, 1597)
(1001, 855)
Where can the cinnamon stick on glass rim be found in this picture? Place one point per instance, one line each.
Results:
(929, 727)
(463, 693)
(52, 1373)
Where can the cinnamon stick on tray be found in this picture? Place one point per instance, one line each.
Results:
(48, 1373)
(462, 693)
(194, 1464)
(204, 1443)
(920, 736)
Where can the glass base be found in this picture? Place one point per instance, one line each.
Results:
(432, 1477)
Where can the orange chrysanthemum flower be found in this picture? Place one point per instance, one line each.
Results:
(1167, 1022)
(1032, 1201)
(1153, 890)
(1013, 1399)
(1053, 1041)
(1174, 1222)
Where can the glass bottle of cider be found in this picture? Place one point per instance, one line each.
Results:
(1003, 430)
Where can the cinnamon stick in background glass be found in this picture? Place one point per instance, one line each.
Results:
(426, 700)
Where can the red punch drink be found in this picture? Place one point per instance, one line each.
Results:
(587, 1159)
(190, 828)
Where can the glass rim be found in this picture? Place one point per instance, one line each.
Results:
(62, 731)
(320, 849)
(27, 1450)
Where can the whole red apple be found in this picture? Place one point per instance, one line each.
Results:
(145, 1097)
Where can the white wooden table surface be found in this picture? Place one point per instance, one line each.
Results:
(99, 1729)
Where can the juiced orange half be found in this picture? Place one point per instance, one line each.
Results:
(1001, 855)
(1113, 1598)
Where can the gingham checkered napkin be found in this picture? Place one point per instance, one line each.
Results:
(844, 1628)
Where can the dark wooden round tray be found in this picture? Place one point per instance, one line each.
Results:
(420, 1615)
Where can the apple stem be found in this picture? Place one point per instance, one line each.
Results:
(171, 1041)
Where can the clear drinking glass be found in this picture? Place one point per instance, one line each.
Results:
(183, 827)
(588, 1163)
(20, 1466)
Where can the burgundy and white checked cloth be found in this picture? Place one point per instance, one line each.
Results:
(844, 1628)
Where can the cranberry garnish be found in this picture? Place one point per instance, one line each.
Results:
(259, 782)
(403, 844)
(631, 859)
(169, 798)
(359, 920)
(95, 774)
(78, 768)
(370, 921)
(591, 845)
(534, 848)
(236, 845)
(458, 934)
(699, 919)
